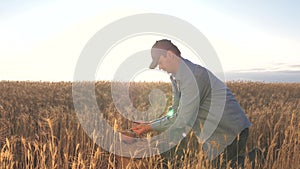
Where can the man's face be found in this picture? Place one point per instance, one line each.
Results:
(164, 63)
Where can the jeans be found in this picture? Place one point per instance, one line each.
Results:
(233, 153)
(186, 149)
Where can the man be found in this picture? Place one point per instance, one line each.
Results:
(202, 103)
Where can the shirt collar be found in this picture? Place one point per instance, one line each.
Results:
(178, 75)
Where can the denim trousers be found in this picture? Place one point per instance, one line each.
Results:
(189, 147)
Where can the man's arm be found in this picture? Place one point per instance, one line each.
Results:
(188, 106)
(166, 121)
(163, 122)
(187, 112)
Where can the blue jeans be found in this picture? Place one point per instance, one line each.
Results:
(233, 153)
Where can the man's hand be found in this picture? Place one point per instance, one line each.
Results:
(141, 128)
(128, 139)
(140, 122)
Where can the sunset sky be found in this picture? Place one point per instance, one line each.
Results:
(254, 40)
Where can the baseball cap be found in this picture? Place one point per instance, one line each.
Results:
(159, 48)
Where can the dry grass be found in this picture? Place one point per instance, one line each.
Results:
(39, 127)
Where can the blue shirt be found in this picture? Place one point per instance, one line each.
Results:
(204, 104)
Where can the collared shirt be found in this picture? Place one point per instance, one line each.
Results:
(203, 103)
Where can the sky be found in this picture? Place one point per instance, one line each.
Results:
(254, 40)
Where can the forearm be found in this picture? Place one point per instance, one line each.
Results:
(166, 121)
(163, 123)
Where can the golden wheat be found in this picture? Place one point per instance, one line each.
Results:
(39, 127)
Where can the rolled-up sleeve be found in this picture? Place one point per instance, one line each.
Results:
(183, 119)
(163, 123)
(189, 102)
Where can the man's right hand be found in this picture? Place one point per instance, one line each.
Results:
(141, 128)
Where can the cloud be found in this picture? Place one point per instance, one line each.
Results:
(295, 66)
(274, 67)
(277, 72)
(275, 76)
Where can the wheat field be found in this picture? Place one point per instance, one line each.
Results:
(39, 127)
